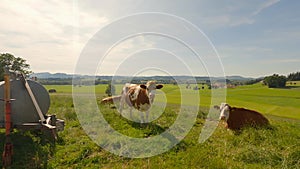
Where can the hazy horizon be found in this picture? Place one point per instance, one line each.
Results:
(53, 73)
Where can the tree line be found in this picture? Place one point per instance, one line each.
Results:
(294, 76)
(18, 64)
(279, 81)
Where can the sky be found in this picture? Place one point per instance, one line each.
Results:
(158, 37)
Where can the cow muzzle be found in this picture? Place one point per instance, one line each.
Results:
(152, 95)
(223, 118)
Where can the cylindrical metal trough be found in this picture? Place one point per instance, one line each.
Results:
(24, 113)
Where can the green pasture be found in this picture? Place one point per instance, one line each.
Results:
(278, 102)
(275, 147)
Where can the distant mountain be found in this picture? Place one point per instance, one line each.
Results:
(239, 78)
(47, 75)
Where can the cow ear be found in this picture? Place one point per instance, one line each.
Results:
(159, 86)
(216, 107)
(143, 86)
(229, 107)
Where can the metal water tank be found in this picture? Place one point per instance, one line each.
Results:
(22, 107)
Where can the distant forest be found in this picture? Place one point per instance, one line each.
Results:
(160, 79)
(294, 76)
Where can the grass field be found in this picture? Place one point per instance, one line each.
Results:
(264, 148)
(278, 102)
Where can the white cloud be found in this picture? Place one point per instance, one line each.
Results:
(235, 13)
(49, 19)
(264, 6)
(38, 30)
(242, 21)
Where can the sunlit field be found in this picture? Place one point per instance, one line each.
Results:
(269, 101)
(275, 147)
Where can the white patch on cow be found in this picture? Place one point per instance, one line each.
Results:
(224, 109)
(136, 93)
(144, 107)
(153, 92)
(152, 95)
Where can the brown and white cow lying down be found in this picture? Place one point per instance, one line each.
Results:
(237, 118)
(139, 97)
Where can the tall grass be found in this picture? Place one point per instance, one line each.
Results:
(253, 148)
(277, 147)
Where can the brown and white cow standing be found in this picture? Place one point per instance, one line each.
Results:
(139, 97)
(237, 118)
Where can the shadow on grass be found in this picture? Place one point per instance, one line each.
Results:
(255, 127)
(151, 129)
(30, 150)
(286, 87)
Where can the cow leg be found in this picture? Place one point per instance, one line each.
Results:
(142, 117)
(122, 101)
(130, 113)
(120, 109)
(147, 116)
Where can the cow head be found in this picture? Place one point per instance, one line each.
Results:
(224, 111)
(151, 89)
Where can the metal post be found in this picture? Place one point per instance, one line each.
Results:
(8, 147)
(35, 103)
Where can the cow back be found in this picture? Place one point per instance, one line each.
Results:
(240, 117)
